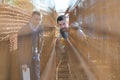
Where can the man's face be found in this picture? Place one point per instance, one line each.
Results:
(63, 25)
(36, 19)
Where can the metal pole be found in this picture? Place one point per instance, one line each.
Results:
(35, 57)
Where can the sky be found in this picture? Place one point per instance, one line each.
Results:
(60, 5)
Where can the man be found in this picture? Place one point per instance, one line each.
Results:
(63, 37)
(29, 39)
(33, 25)
(62, 24)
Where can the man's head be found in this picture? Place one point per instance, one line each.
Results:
(61, 21)
(35, 18)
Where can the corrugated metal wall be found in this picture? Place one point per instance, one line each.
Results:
(99, 20)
